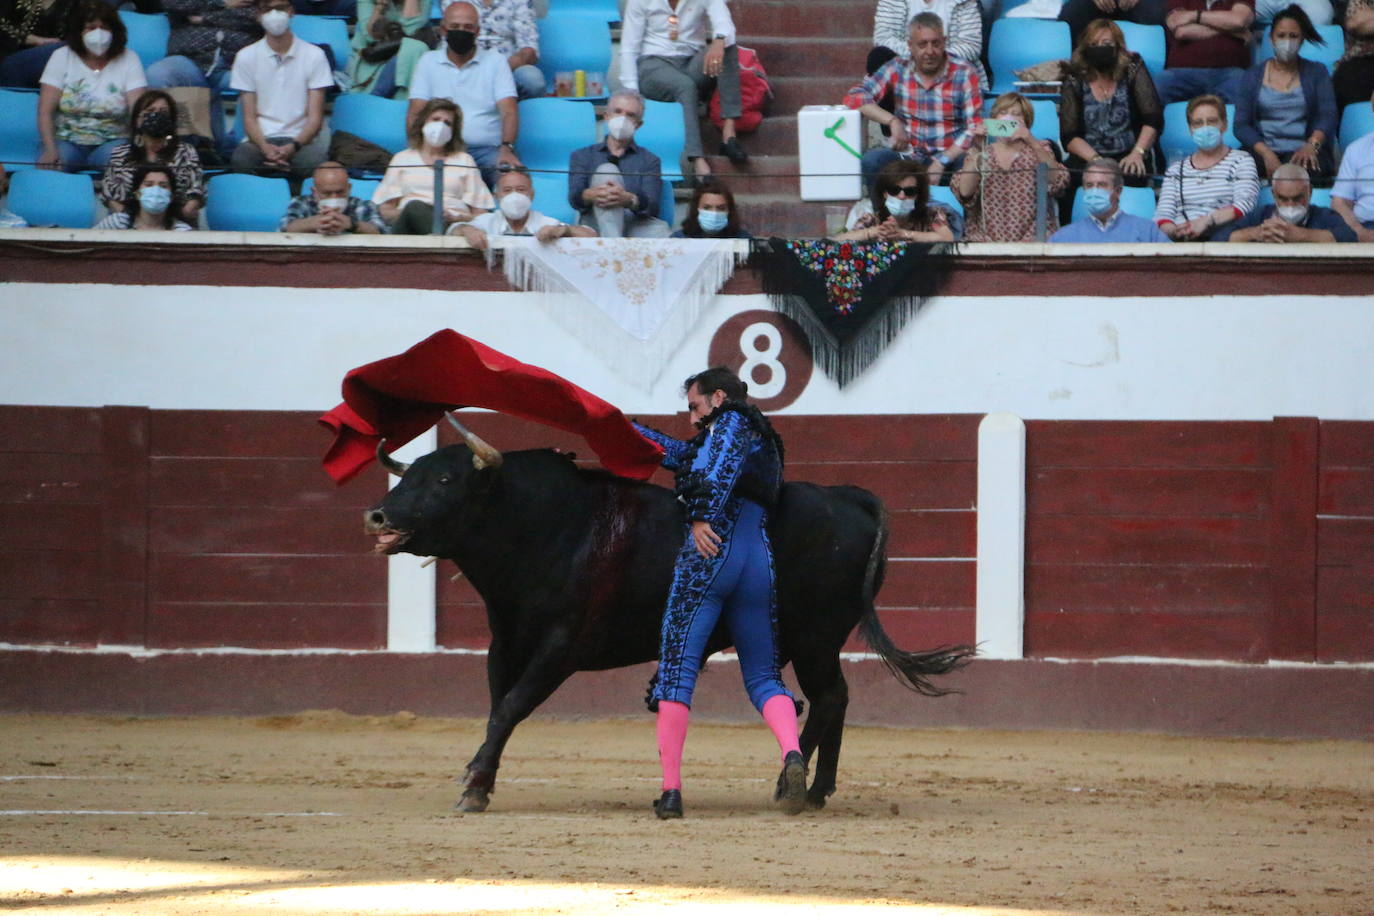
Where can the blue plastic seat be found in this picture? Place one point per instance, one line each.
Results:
(19, 138)
(245, 203)
(1147, 41)
(663, 135)
(1321, 197)
(551, 196)
(1326, 54)
(49, 198)
(667, 203)
(942, 194)
(1357, 119)
(609, 10)
(148, 34)
(1177, 139)
(1135, 201)
(375, 119)
(550, 129)
(1019, 43)
(576, 40)
(324, 31)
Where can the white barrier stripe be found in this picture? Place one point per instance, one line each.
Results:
(22, 812)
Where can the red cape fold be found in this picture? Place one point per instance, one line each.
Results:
(400, 397)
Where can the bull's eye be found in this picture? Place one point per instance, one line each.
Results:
(445, 479)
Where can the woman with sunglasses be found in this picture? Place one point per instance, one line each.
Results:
(899, 209)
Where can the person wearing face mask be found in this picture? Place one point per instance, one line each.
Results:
(1105, 222)
(479, 82)
(153, 139)
(330, 207)
(1214, 186)
(406, 194)
(1292, 217)
(997, 181)
(149, 204)
(1108, 107)
(282, 82)
(615, 184)
(712, 214)
(514, 215)
(899, 209)
(87, 89)
(1286, 109)
(510, 30)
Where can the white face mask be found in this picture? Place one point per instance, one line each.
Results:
(899, 206)
(334, 203)
(620, 127)
(515, 205)
(1294, 215)
(276, 22)
(1286, 49)
(437, 133)
(97, 41)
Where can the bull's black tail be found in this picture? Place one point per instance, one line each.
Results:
(912, 669)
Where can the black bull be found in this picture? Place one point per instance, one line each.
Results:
(574, 566)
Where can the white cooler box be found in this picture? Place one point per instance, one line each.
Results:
(828, 138)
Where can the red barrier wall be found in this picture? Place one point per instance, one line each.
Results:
(1222, 540)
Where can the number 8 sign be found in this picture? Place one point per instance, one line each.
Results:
(769, 351)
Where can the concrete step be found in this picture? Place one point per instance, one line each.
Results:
(782, 216)
(776, 136)
(790, 93)
(792, 56)
(764, 175)
(802, 18)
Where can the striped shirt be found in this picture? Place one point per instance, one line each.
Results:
(936, 117)
(1188, 193)
(963, 28)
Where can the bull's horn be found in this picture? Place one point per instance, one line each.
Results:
(483, 455)
(392, 466)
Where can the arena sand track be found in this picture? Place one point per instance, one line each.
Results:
(979, 823)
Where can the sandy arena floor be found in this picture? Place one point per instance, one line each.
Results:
(324, 813)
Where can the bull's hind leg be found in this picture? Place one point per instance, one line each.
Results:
(825, 688)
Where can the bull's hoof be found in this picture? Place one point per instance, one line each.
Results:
(474, 801)
(790, 795)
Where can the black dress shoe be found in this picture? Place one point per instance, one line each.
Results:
(790, 795)
(668, 806)
(732, 150)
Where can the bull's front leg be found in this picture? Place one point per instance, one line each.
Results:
(543, 673)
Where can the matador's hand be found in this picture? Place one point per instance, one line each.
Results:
(707, 541)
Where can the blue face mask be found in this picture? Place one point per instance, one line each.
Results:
(1097, 200)
(712, 220)
(154, 199)
(1208, 137)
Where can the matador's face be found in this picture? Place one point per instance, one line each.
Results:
(700, 406)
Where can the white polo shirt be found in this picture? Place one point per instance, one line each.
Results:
(281, 83)
(495, 223)
(475, 88)
(1355, 181)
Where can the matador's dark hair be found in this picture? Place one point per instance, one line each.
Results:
(718, 378)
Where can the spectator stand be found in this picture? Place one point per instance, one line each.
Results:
(329, 32)
(373, 118)
(572, 41)
(1357, 120)
(1146, 40)
(1015, 44)
(664, 136)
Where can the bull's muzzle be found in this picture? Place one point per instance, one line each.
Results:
(389, 539)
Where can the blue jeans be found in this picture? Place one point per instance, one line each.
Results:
(75, 156)
(529, 81)
(486, 157)
(873, 161)
(1181, 84)
(182, 71)
(23, 69)
(742, 593)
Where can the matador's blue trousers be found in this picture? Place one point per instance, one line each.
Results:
(736, 584)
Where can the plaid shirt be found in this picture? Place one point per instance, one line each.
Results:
(305, 206)
(936, 117)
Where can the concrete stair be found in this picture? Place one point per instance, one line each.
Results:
(814, 52)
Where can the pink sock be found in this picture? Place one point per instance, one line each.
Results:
(672, 735)
(781, 715)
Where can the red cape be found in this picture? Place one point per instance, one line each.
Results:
(400, 397)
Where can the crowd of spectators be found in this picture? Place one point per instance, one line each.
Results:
(462, 75)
